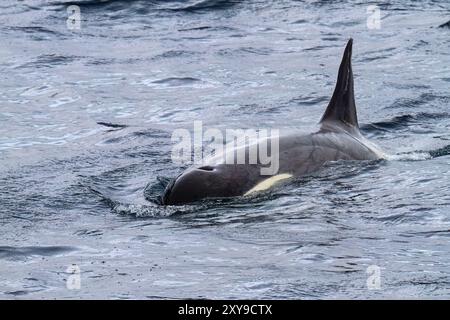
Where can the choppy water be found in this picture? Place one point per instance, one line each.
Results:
(73, 191)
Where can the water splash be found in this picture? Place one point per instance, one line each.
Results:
(410, 156)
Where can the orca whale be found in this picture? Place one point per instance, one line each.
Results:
(338, 138)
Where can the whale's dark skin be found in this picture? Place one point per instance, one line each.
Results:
(445, 25)
(339, 138)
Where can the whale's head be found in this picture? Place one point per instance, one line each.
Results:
(220, 181)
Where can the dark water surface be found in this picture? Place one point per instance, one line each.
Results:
(73, 191)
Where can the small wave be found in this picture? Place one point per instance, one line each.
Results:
(432, 233)
(38, 33)
(152, 210)
(317, 48)
(444, 151)
(33, 29)
(174, 82)
(300, 21)
(310, 100)
(377, 55)
(418, 44)
(423, 99)
(402, 121)
(172, 5)
(49, 61)
(15, 253)
(143, 211)
(85, 3)
(196, 28)
(206, 5)
(218, 28)
(112, 125)
(410, 156)
(420, 155)
(245, 51)
(407, 86)
(174, 54)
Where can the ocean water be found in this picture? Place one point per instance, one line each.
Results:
(86, 118)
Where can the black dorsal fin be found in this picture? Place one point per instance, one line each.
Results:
(342, 108)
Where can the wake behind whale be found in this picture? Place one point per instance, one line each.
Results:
(339, 138)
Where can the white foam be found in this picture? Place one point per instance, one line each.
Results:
(412, 156)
